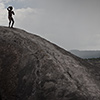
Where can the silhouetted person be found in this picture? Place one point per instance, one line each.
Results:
(10, 13)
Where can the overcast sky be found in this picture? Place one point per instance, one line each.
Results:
(71, 24)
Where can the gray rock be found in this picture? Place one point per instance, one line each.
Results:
(32, 68)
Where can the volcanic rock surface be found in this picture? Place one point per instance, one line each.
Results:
(32, 68)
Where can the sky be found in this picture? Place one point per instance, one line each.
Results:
(71, 24)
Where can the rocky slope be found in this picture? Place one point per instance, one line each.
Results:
(95, 69)
(32, 68)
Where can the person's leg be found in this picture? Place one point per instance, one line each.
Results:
(9, 22)
(12, 22)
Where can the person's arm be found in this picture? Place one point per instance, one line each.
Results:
(8, 8)
(13, 13)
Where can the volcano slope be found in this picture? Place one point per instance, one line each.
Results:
(32, 68)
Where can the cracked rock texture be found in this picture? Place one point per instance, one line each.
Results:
(32, 68)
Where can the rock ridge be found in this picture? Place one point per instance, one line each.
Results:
(32, 68)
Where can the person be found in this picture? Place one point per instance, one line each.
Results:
(10, 13)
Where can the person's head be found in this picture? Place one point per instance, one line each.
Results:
(10, 7)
